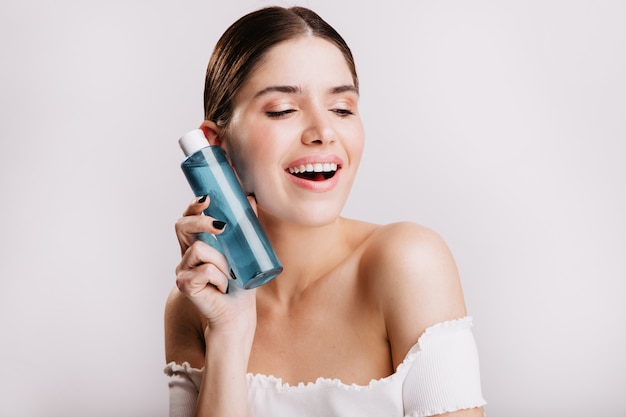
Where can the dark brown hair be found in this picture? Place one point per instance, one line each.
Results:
(246, 42)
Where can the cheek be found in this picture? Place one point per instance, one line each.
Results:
(355, 143)
(237, 158)
(247, 161)
(243, 170)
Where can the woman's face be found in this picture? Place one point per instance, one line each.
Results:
(296, 137)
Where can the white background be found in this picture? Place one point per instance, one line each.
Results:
(500, 124)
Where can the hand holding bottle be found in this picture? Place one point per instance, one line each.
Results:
(250, 255)
(203, 275)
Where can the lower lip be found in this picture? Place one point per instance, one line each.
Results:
(315, 186)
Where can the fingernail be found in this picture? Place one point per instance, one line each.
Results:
(202, 199)
(219, 225)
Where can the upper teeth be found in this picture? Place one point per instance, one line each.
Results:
(318, 167)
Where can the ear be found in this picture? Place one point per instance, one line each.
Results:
(212, 132)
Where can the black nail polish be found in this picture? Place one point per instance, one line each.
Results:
(218, 224)
(202, 199)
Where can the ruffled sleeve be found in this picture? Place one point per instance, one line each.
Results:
(184, 385)
(444, 373)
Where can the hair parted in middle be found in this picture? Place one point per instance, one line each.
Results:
(246, 42)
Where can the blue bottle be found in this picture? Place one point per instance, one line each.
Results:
(243, 242)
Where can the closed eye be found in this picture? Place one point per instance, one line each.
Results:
(278, 114)
(343, 112)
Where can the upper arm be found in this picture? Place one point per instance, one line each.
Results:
(184, 331)
(417, 283)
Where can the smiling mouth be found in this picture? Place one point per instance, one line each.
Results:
(314, 172)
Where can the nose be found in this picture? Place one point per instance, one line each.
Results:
(319, 129)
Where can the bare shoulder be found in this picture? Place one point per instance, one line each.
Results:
(407, 246)
(184, 331)
(414, 278)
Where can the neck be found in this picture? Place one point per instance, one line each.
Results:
(307, 254)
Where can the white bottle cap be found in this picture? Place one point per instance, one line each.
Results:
(193, 141)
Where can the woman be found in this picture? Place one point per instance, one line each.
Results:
(364, 320)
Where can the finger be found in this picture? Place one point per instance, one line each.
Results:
(192, 225)
(197, 206)
(200, 253)
(194, 282)
(201, 266)
(187, 229)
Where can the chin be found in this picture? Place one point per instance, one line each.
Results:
(316, 220)
(316, 215)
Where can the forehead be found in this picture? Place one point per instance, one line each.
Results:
(306, 62)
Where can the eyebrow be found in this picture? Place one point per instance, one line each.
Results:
(344, 89)
(291, 89)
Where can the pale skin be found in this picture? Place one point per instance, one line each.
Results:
(353, 298)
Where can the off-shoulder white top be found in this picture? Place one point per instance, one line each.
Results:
(439, 374)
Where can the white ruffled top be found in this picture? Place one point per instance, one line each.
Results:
(439, 374)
